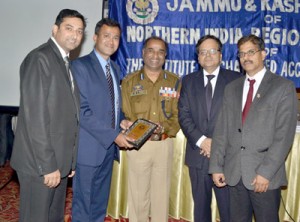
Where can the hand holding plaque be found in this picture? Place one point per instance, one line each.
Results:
(140, 131)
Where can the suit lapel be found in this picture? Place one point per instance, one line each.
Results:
(117, 78)
(200, 91)
(60, 61)
(238, 93)
(75, 94)
(218, 94)
(116, 75)
(262, 89)
(100, 73)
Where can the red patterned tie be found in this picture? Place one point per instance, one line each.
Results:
(248, 101)
(111, 92)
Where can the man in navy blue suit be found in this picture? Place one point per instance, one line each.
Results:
(199, 104)
(98, 80)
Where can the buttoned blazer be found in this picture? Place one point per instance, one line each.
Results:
(193, 117)
(261, 145)
(96, 135)
(47, 128)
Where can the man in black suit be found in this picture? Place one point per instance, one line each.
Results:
(45, 145)
(199, 103)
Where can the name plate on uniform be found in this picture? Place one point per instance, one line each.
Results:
(140, 131)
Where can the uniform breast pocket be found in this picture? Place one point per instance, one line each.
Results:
(140, 104)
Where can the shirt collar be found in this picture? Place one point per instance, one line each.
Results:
(62, 52)
(160, 77)
(102, 61)
(216, 72)
(258, 76)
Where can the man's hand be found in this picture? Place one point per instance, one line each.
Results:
(260, 184)
(122, 141)
(52, 180)
(72, 173)
(219, 179)
(159, 129)
(205, 147)
(125, 124)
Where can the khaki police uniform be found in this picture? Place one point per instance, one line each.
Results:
(149, 168)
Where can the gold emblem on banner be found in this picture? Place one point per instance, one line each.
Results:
(142, 11)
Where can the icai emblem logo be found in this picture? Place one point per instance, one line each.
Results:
(142, 11)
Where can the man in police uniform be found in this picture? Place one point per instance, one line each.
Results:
(151, 93)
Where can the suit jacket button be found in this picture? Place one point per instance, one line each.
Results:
(242, 147)
(239, 130)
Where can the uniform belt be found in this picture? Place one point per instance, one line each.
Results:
(158, 137)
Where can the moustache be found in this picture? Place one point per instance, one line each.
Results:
(247, 61)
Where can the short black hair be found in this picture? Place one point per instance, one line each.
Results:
(155, 38)
(253, 39)
(205, 37)
(106, 21)
(65, 13)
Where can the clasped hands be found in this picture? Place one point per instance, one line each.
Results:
(260, 184)
(205, 147)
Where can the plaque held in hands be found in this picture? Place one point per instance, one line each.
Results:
(140, 131)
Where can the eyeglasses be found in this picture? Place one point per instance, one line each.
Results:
(210, 51)
(249, 53)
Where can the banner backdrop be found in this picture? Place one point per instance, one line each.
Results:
(182, 22)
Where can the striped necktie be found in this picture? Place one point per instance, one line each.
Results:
(111, 92)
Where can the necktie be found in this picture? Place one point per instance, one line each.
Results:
(249, 100)
(67, 64)
(208, 93)
(111, 92)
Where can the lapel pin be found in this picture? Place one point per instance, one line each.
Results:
(258, 95)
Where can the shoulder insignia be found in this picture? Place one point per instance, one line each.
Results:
(130, 75)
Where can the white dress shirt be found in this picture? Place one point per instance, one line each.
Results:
(213, 84)
(258, 78)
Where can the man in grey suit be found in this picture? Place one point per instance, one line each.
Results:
(45, 145)
(197, 121)
(253, 136)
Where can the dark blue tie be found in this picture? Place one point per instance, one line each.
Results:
(208, 93)
(111, 92)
